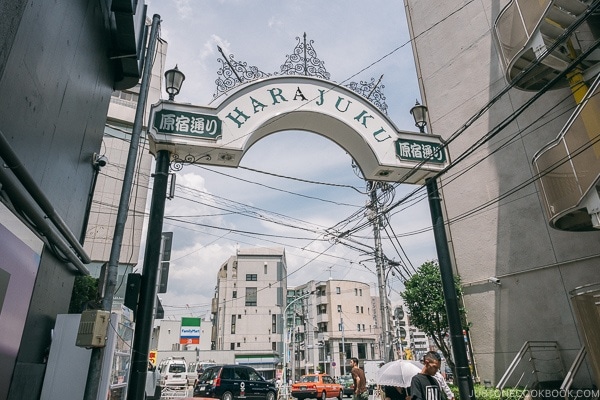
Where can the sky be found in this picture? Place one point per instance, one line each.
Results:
(291, 186)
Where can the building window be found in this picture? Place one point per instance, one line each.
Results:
(322, 309)
(363, 327)
(355, 291)
(357, 309)
(361, 309)
(338, 290)
(339, 308)
(232, 346)
(265, 268)
(340, 327)
(251, 277)
(322, 326)
(251, 296)
(274, 346)
(360, 291)
(233, 318)
(234, 295)
(274, 323)
(238, 344)
(358, 327)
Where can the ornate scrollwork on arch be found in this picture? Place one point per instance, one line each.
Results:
(233, 73)
(177, 162)
(304, 61)
(372, 91)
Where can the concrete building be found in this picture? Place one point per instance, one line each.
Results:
(166, 337)
(106, 191)
(59, 64)
(520, 202)
(409, 342)
(248, 307)
(339, 315)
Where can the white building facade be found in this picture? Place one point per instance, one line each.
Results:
(337, 315)
(248, 307)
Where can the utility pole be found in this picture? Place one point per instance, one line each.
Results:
(375, 218)
(95, 368)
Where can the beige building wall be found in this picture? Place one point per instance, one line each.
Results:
(459, 72)
(246, 322)
(115, 147)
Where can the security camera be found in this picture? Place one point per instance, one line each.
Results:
(99, 161)
(494, 280)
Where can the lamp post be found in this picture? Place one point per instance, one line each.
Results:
(173, 80)
(463, 373)
(419, 113)
(285, 343)
(147, 298)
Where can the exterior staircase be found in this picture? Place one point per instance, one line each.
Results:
(538, 40)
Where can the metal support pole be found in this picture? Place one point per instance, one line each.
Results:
(343, 370)
(380, 271)
(95, 368)
(143, 325)
(464, 379)
(284, 377)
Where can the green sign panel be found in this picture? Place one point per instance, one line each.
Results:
(186, 123)
(416, 150)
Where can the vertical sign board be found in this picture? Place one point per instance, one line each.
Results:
(190, 331)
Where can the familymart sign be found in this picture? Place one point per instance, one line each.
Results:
(221, 135)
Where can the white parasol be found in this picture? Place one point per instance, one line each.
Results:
(398, 373)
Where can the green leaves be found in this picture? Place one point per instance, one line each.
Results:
(424, 297)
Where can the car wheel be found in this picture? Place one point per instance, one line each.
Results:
(324, 395)
(270, 396)
(227, 396)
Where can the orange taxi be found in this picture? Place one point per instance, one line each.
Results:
(316, 386)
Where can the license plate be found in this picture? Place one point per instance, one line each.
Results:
(302, 387)
(203, 388)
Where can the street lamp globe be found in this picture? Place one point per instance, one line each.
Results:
(419, 113)
(173, 80)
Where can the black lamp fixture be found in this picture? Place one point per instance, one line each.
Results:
(173, 80)
(419, 113)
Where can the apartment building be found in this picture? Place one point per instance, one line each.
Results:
(336, 321)
(248, 307)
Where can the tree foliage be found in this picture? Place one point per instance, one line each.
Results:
(85, 291)
(424, 297)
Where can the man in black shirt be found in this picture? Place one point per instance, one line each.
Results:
(424, 386)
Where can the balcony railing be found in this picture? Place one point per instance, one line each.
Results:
(569, 168)
(526, 30)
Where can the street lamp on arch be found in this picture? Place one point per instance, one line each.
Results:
(173, 80)
(419, 113)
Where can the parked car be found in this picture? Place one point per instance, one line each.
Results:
(347, 384)
(195, 369)
(173, 372)
(230, 382)
(316, 386)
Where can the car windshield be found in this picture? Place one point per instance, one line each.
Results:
(209, 374)
(308, 378)
(177, 368)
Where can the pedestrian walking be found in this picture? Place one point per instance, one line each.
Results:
(360, 382)
(424, 386)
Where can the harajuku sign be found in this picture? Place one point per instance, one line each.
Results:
(221, 135)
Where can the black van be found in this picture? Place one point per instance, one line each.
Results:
(230, 382)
